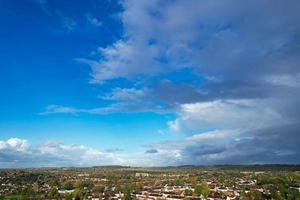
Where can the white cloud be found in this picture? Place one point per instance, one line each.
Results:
(16, 152)
(122, 59)
(174, 125)
(14, 144)
(75, 153)
(229, 114)
(59, 109)
(125, 94)
(216, 134)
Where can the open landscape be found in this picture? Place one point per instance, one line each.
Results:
(149, 100)
(170, 183)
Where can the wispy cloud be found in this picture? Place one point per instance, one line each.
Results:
(69, 23)
(93, 20)
(125, 107)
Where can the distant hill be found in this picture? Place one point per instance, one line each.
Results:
(256, 167)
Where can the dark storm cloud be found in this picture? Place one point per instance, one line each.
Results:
(277, 144)
(196, 150)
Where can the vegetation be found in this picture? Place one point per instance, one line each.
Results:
(258, 182)
(202, 189)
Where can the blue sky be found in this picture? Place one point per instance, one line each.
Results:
(39, 68)
(148, 83)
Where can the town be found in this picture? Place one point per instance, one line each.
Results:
(156, 183)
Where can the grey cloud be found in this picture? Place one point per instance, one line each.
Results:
(114, 150)
(276, 144)
(209, 36)
(224, 40)
(151, 151)
(204, 150)
(171, 93)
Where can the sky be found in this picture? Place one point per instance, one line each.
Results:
(149, 83)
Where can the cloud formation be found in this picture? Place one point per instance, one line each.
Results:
(207, 36)
(242, 114)
(151, 151)
(222, 43)
(16, 152)
(268, 145)
(244, 57)
(14, 144)
(93, 20)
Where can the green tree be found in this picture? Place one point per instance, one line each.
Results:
(127, 195)
(69, 197)
(139, 186)
(188, 192)
(28, 193)
(276, 195)
(68, 185)
(202, 189)
(127, 191)
(84, 184)
(53, 193)
(99, 189)
(293, 194)
(255, 195)
(79, 194)
(54, 182)
(178, 181)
